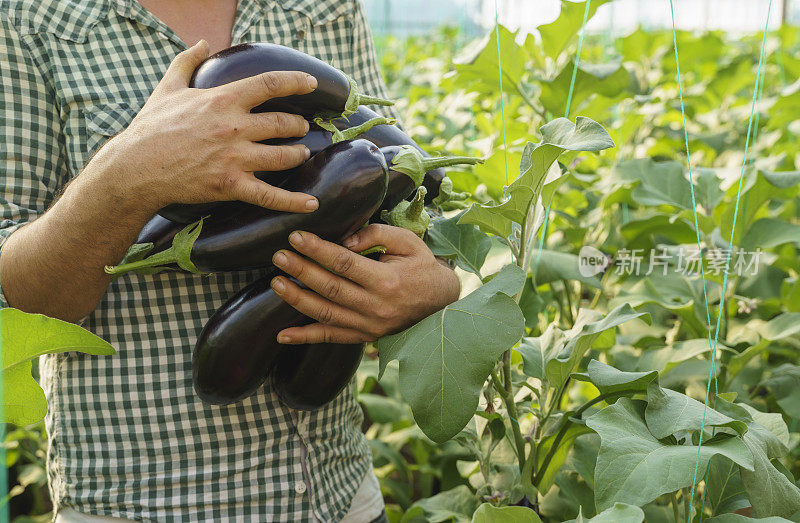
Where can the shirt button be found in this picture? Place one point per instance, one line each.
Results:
(163, 36)
(300, 487)
(300, 34)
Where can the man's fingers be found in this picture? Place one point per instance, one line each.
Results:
(257, 89)
(264, 126)
(397, 240)
(315, 306)
(249, 189)
(260, 157)
(336, 258)
(323, 282)
(183, 65)
(320, 333)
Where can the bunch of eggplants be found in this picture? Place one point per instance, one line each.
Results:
(353, 178)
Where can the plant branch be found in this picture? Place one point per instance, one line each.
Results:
(674, 502)
(567, 423)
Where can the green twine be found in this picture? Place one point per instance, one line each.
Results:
(543, 235)
(712, 373)
(500, 75)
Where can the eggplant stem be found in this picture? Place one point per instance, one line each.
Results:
(364, 99)
(354, 132)
(448, 161)
(179, 253)
(372, 250)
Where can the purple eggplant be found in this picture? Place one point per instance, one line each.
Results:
(348, 179)
(336, 94)
(306, 377)
(238, 346)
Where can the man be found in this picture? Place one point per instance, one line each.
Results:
(128, 437)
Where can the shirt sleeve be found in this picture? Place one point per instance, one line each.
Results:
(366, 71)
(31, 152)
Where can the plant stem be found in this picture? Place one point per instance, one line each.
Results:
(567, 423)
(569, 302)
(686, 503)
(674, 502)
(511, 408)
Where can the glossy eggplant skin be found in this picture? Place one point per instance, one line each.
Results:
(391, 135)
(307, 377)
(349, 180)
(238, 345)
(246, 60)
(400, 186)
(159, 231)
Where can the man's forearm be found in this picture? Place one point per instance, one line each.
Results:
(54, 265)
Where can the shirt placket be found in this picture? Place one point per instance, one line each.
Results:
(305, 486)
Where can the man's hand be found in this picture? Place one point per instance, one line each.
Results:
(355, 299)
(199, 145)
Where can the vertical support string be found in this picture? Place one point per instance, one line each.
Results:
(543, 234)
(500, 75)
(712, 373)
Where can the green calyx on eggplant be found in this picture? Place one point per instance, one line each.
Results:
(448, 200)
(320, 136)
(410, 215)
(336, 94)
(348, 179)
(408, 168)
(238, 348)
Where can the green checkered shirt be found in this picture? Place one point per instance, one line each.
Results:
(128, 437)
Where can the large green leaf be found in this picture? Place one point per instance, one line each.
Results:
(738, 518)
(659, 183)
(633, 466)
(724, 489)
(610, 381)
(563, 352)
(25, 336)
(488, 513)
(784, 384)
(445, 358)
(669, 412)
(456, 504)
(558, 136)
(771, 493)
(769, 232)
(464, 243)
(558, 34)
(608, 79)
(555, 266)
(619, 513)
(478, 67)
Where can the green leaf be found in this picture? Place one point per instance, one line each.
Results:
(769, 232)
(477, 68)
(463, 243)
(738, 518)
(446, 358)
(455, 504)
(609, 380)
(548, 476)
(669, 412)
(784, 384)
(558, 34)
(26, 336)
(724, 489)
(564, 350)
(558, 136)
(771, 493)
(488, 513)
(634, 467)
(619, 513)
(782, 326)
(608, 79)
(555, 266)
(659, 183)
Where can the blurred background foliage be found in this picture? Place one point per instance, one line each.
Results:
(634, 196)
